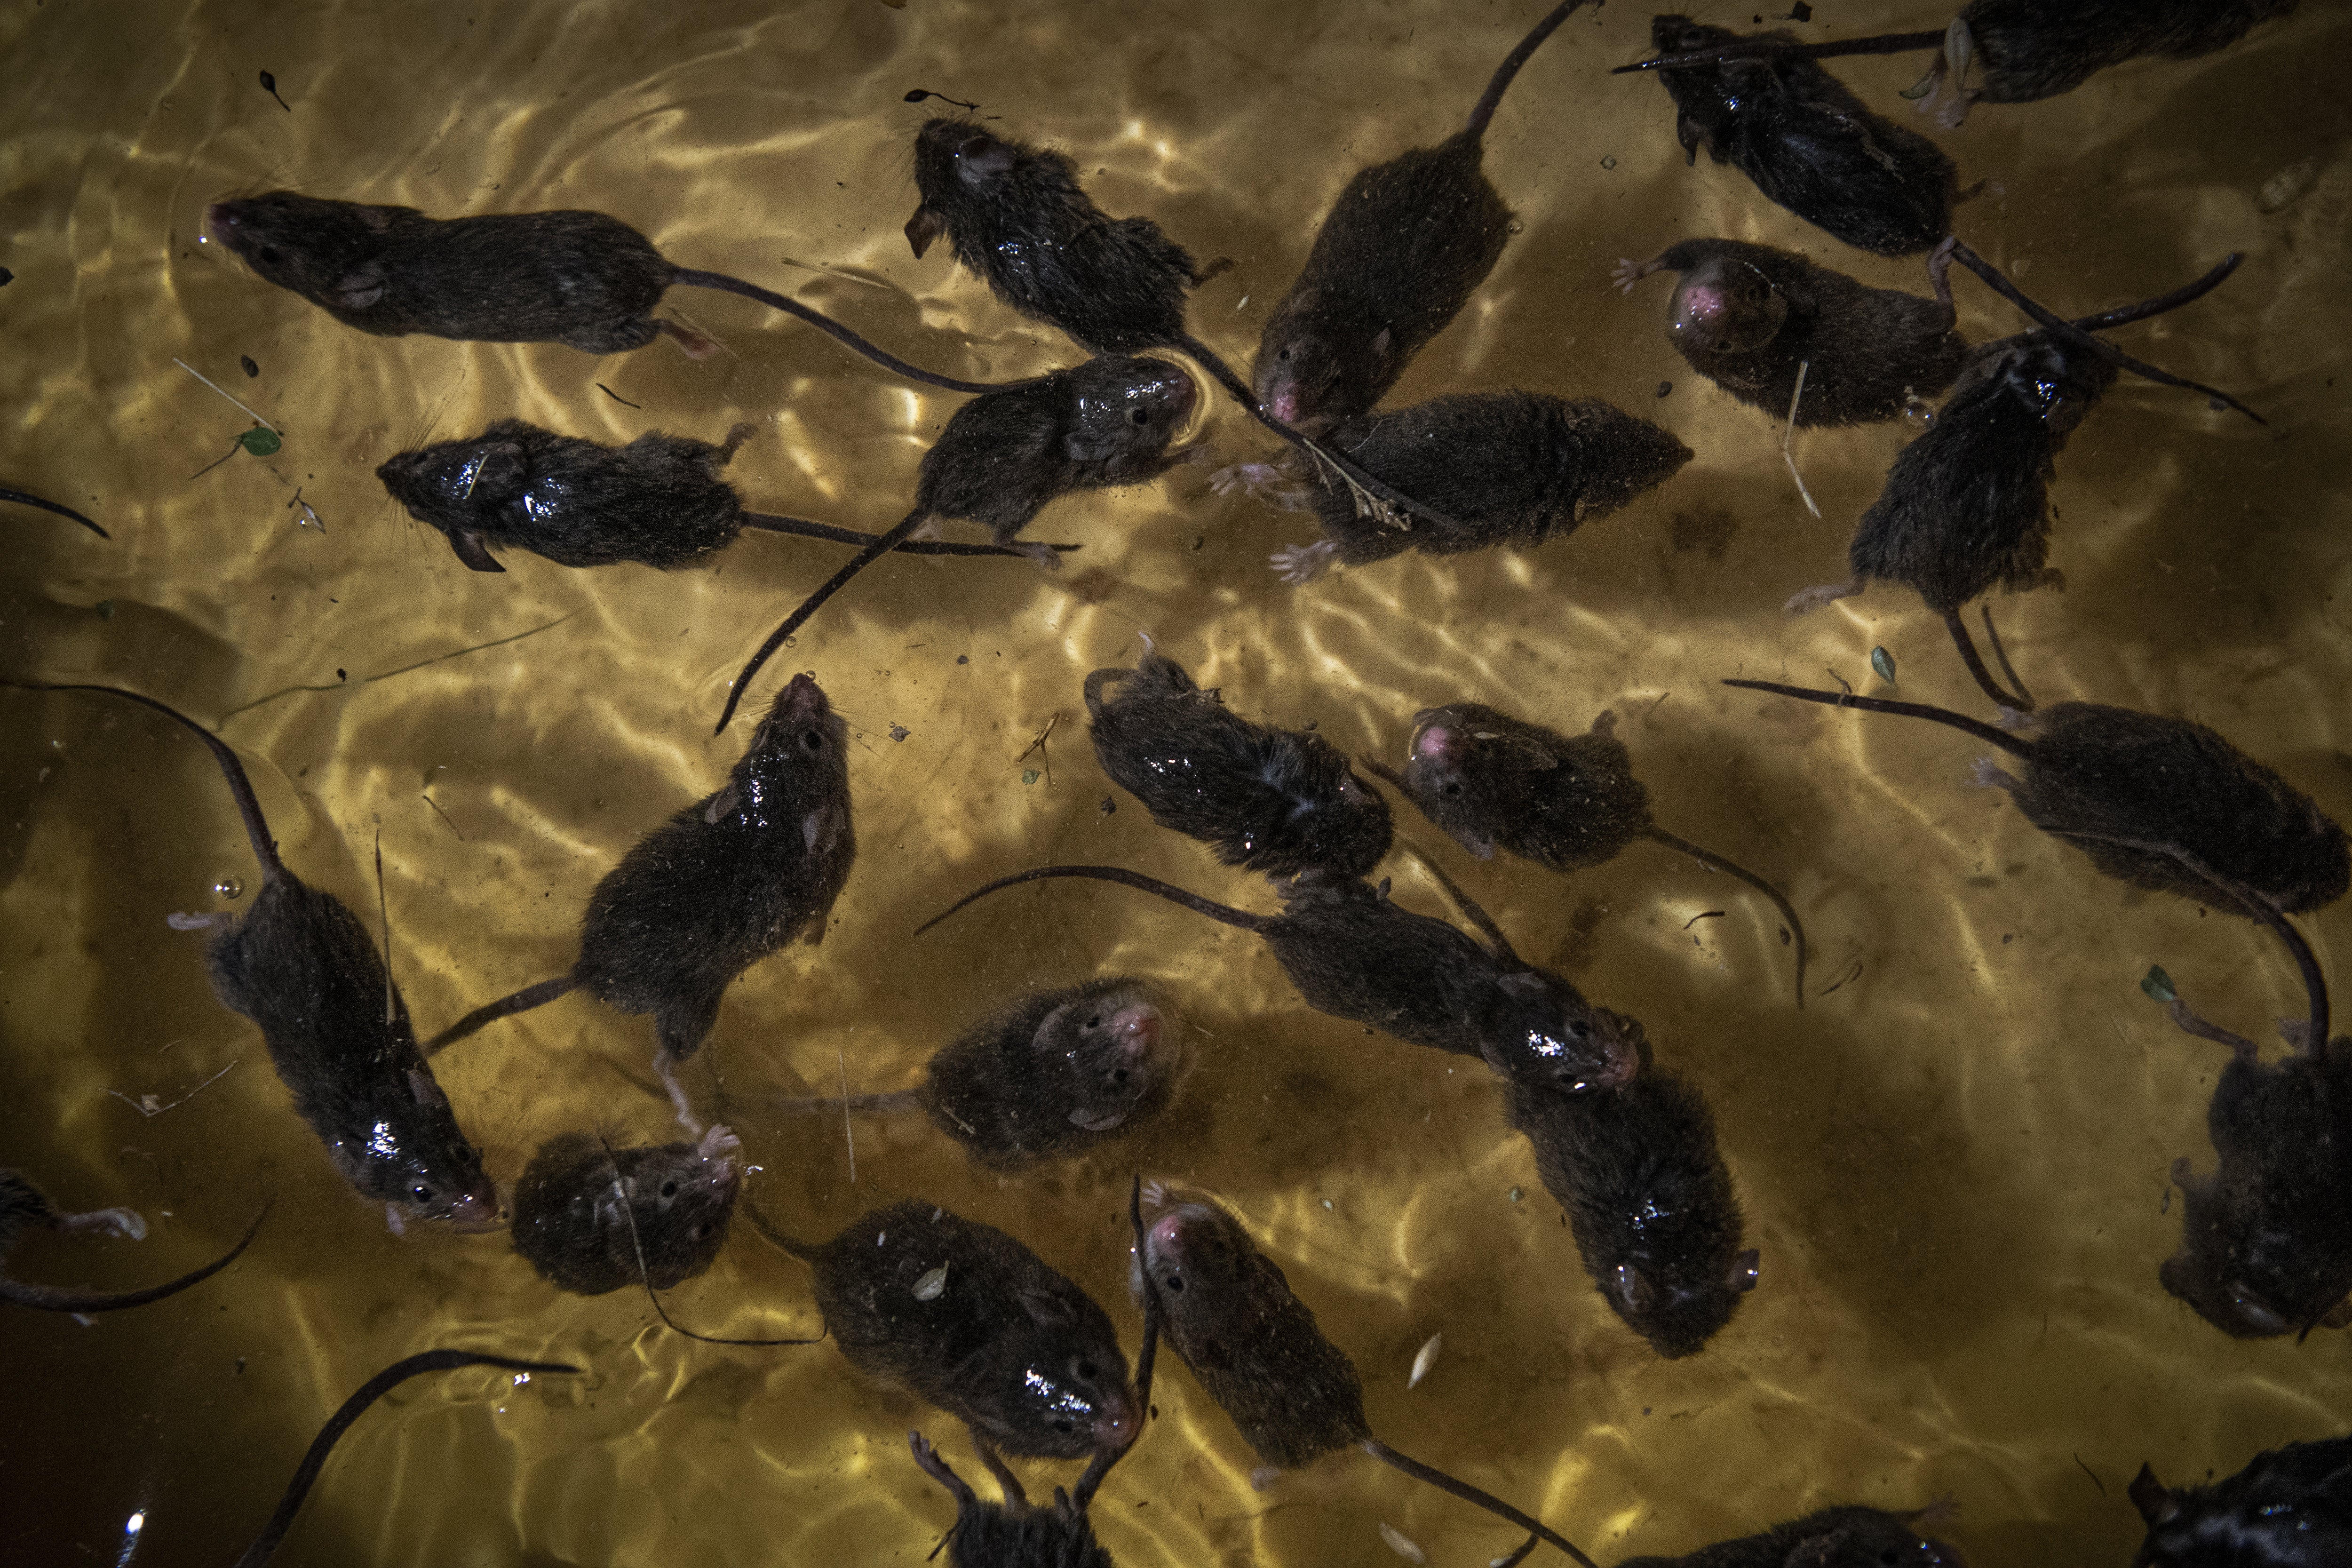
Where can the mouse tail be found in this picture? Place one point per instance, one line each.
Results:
(1492, 98)
(693, 279)
(1468, 1493)
(2021, 699)
(882, 545)
(2124, 314)
(248, 806)
(1715, 862)
(21, 499)
(266, 1544)
(1778, 49)
(775, 1236)
(1083, 1494)
(2062, 328)
(1173, 894)
(880, 1104)
(1977, 727)
(43, 1298)
(1470, 908)
(803, 528)
(522, 1001)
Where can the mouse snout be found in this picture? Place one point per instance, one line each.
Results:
(1620, 1040)
(1699, 305)
(1435, 742)
(802, 699)
(1283, 401)
(1136, 1029)
(1114, 1426)
(477, 1211)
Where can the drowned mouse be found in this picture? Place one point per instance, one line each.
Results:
(1355, 954)
(1398, 256)
(658, 501)
(1276, 801)
(1229, 1314)
(302, 967)
(22, 1204)
(1005, 455)
(1495, 782)
(568, 1222)
(1048, 1077)
(578, 279)
(2289, 1507)
(719, 887)
(1846, 1537)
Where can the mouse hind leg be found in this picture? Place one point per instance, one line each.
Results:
(683, 1025)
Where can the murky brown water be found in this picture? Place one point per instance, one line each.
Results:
(1954, 1162)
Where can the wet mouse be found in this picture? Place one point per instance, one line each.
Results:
(1566, 803)
(1966, 507)
(1752, 319)
(1276, 801)
(1503, 468)
(302, 967)
(1355, 954)
(22, 1204)
(305, 1474)
(1003, 457)
(1806, 140)
(21, 499)
(719, 887)
(568, 1221)
(1254, 1346)
(578, 279)
(2098, 776)
(966, 1318)
(1399, 255)
(1648, 1198)
(2289, 1507)
(1050, 1076)
(658, 501)
(1847, 1537)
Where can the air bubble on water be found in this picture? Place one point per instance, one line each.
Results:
(228, 888)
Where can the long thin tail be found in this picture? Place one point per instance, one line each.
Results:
(1977, 727)
(2124, 314)
(1492, 98)
(1468, 1493)
(1975, 661)
(265, 849)
(816, 1104)
(266, 1544)
(1099, 1467)
(21, 499)
(1472, 911)
(645, 1276)
(46, 1299)
(522, 1001)
(1715, 862)
(774, 1236)
(804, 528)
(883, 544)
(1774, 49)
(693, 279)
(1173, 894)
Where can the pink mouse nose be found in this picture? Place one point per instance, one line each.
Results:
(1137, 1028)
(1283, 403)
(804, 699)
(1114, 1426)
(1437, 740)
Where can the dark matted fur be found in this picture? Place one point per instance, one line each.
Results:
(1849, 1537)
(568, 1222)
(1565, 802)
(2289, 1507)
(1050, 1076)
(1013, 1533)
(2029, 49)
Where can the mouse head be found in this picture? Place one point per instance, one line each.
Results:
(798, 759)
(2258, 1284)
(460, 487)
(417, 1161)
(681, 1197)
(325, 251)
(1711, 96)
(1678, 1302)
(1307, 375)
(1213, 1282)
(1121, 415)
(1538, 1030)
(960, 166)
(1055, 1385)
(1869, 1538)
(1491, 780)
(1118, 1053)
(2054, 381)
(2287, 1507)
(1726, 306)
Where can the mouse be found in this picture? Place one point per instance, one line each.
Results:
(1050, 1076)
(1507, 468)
(1230, 1315)
(1753, 318)
(1356, 955)
(2102, 777)
(580, 278)
(1805, 139)
(568, 1220)
(2289, 1507)
(1004, 457)
(265, 1545)
(722, 885)
(1844, 1537)
(1649, 1200)
(22, 1204)
(967, 1318)
(302, 967)
(1398, 256)
(1275, 801)
(1966, 507)
(1566, 803)
(23, 498)
(658, 501)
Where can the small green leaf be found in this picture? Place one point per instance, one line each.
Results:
(2159, 984)
(1029, 775)
(1883, 662)
(261, 441)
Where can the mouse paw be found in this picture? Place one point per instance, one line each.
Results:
(181, 922)
(1304, 562)
(125, 1222)
(1044, 555)
(1814, 598)
(720, 1140)
(1986, 773)
(1628, 272)
(696, 346)
(1268, 483)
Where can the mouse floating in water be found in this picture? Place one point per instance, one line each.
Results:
(1398, 256)
(1848, 1537)
(719, 887)
(658, 501)
(22, 1204)
(578, 279)
(1966, 507)
(1050, 1076)
(1255, 1346)
(1495, 782)
(21, 498)
(302, 967)
(568, 1221)
(1276, 801)
(2289, 1507)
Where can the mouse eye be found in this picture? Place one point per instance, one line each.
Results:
(1120, 1077)
(269, 255)
(1138, 416)
(1451, 789)
(1094, 1022)
(421, 1193)
(1087, 1369)
(1284, 354)
(1175, 1282)
(670, 1189)
(810, 740)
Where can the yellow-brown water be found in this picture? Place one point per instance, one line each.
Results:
(1954, 1162)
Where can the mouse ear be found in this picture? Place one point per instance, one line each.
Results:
(422, 1087)
(984, 157)
(473, 552)
(925, 227)
(1380, 344)
(2148, 1495)
(359, 288)
(1746, 1270)
(1047, 1311)
(1085, 446)
(1470, 838)
(1097, 1120)
(1633, 1290)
